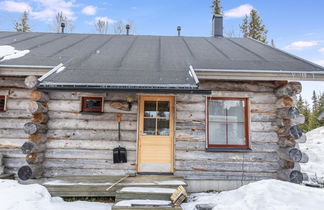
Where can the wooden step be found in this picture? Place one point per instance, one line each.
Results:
(145, 204)
(151, 193)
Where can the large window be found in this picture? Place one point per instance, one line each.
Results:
(227, 122)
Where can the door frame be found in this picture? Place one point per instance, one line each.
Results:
(172, 124)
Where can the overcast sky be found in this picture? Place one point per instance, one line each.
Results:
(296, 26)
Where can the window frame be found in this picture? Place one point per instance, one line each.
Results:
(92, 110)
(4, 97)
(230, 147)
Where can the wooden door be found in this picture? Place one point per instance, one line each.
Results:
(155, 134)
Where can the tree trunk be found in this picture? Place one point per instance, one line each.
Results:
(288, 112)
(36, 107)
(292, 175)
(34, 158)
(38, 138)
(30, 171)
(39, 96)
(33, 128)
(31, 82)
(40, 118)
(31, 147)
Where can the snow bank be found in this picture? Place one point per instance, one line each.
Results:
(143, 202)
(8, 52)
(314, 148)
(265, 195)
(14, 196)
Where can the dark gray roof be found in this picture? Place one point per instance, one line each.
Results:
(121, 59)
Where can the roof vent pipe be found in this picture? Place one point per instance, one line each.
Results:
(217, 25)
(179, 30)
(127, 29)
(62, 27)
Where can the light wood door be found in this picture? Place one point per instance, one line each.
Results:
(155, 134)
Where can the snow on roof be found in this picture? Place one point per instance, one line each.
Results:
(8, 52)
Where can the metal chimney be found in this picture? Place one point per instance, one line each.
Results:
(62, 27)
(179, 30)
(127, 29)
(217, 25)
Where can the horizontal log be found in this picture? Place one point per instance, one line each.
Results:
(40, 118)
(285, 101)
(190, 116)
(188, 134)
(227, 166)
(90, 116)
(85, 154)
(17, 93)
(11, 124)
(260, 108)
(299, 119)
(263, 126)
(288, 112)
(86, 172)
(285, 164)
(31, 147)
(12, 153)
(35, 158)
(87, 164)
(36, 107)
(263, 117)
(292, 154)
(264, 137)
(90, 125)
(286, 141)
(291, 89)
(39, 96)
(31, 82)
(237, 86)
(193, 125)
(30, 171)
(108, 135)
(38, 138)
(294, 131)
(90, 144)
(292, 175)
(11, 143)
(111, 96)
(190, 107)
(33, 128)
(6, 82)
(226, 156)
(15, 114)
(188, 98)
(17, 104)
(255, 97)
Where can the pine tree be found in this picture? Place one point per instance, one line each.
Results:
(217, 8)
(253, 27)
(23, 26)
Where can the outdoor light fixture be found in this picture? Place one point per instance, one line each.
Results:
(129, 101)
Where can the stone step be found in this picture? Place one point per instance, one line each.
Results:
(145, 204)
(151, 193)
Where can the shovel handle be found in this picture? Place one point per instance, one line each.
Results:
(119, 116)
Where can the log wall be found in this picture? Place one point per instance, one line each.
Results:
(191, 158)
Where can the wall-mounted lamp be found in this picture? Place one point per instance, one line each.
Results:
(130, 102)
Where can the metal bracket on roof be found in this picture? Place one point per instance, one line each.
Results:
(59, 67)
(193, 74)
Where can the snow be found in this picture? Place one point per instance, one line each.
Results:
(8, 52)
(314, 148)
(60, 182)
(170, 182)
(14, 196)
(142, 202)
(148, 190)
(266, 195)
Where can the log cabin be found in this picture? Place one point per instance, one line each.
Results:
(218, 111)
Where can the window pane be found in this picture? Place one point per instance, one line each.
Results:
(149, 109)
(217, 133)
(236, 133)
(2, 103)
(163, 109)
(149, 126)
(235, 111)
(92, 104)
(162, 127)
(216, 111)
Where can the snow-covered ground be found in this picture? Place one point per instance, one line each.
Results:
(14, 196)
(8, 52)
(266, 195)
(314, 148)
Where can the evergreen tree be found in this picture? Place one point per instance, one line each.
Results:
(253, 27)
(217, 8)
(23, 25)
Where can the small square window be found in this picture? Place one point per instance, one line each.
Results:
(2, 103)
(92, 104)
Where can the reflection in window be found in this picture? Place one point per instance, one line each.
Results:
(92, 104)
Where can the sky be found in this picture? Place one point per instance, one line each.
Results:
(296, 26)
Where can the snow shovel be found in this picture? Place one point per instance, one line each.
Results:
(119, 153)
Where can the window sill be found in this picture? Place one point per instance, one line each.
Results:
(91, 112)
(219, 149)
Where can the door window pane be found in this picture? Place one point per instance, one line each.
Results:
(149, 126)
(163, 127)
(217, 133)
(236, 134)
(163, 109)
(150, 109)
